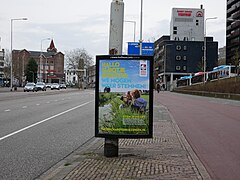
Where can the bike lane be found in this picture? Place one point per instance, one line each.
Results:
(212, 127)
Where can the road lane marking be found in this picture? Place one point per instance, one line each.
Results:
(7, 110)
(47, 119)
(37, 104)
(24, 107)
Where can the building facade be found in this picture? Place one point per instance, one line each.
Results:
(232, 31)
(50, 65)
(222, 56)
(174, 59)
(87, 81)
(187, 24)
(182, 53)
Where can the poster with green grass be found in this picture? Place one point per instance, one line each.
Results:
(124, 96)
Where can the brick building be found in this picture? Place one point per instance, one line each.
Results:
(50, 65)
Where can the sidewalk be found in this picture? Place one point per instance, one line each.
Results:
(5, 89)
(166, 156)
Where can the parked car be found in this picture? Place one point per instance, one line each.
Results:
(41, 86)
(63, 86)
(30, 87)
(55, 86)
(48, 85)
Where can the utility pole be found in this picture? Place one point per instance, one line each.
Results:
(115, 48)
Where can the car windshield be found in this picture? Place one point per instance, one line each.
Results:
(30, 84)
(40, 83)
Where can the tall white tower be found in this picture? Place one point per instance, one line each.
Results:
(116, 27)
(187, 24)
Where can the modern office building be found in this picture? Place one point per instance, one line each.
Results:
(233, 31)
(187, 24)
(182, 53)
(174, 59)
(50, 65)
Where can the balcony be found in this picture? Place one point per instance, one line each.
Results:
(233, 26)
(231, 2)
(236, 15)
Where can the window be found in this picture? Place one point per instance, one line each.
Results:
(197, 22)
(174, 30)
(178, 58)
(184, 48)
(178, 47)
(184, 58)
(176, 38)
(184, 68)
(178, 68)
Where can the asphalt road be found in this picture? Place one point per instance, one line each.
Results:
(37, 130)
(212, 127)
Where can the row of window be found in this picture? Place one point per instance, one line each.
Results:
(178, 58)
(179, 68)
(179, 48)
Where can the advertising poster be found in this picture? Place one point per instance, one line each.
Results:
(124, 96)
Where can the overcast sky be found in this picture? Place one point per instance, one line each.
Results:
(85, 23)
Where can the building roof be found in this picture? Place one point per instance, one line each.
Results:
(52, 47)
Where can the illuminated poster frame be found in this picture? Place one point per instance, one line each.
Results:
(124, 96)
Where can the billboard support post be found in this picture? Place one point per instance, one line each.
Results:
(115, 48)
(111, 147)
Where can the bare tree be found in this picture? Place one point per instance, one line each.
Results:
(78, 60)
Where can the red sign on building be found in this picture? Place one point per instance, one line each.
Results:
(184, 13)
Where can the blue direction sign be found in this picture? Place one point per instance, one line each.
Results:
(147, 48)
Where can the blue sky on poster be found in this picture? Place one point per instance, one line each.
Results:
(131, 75)
(85, 24)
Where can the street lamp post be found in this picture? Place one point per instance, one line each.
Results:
(11, 71)
(205, 49)
(164, 67)
(134, 33)
(41, 60)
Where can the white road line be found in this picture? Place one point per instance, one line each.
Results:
(37, 104)
(40, 122)
(7, 110)
(24, 107)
